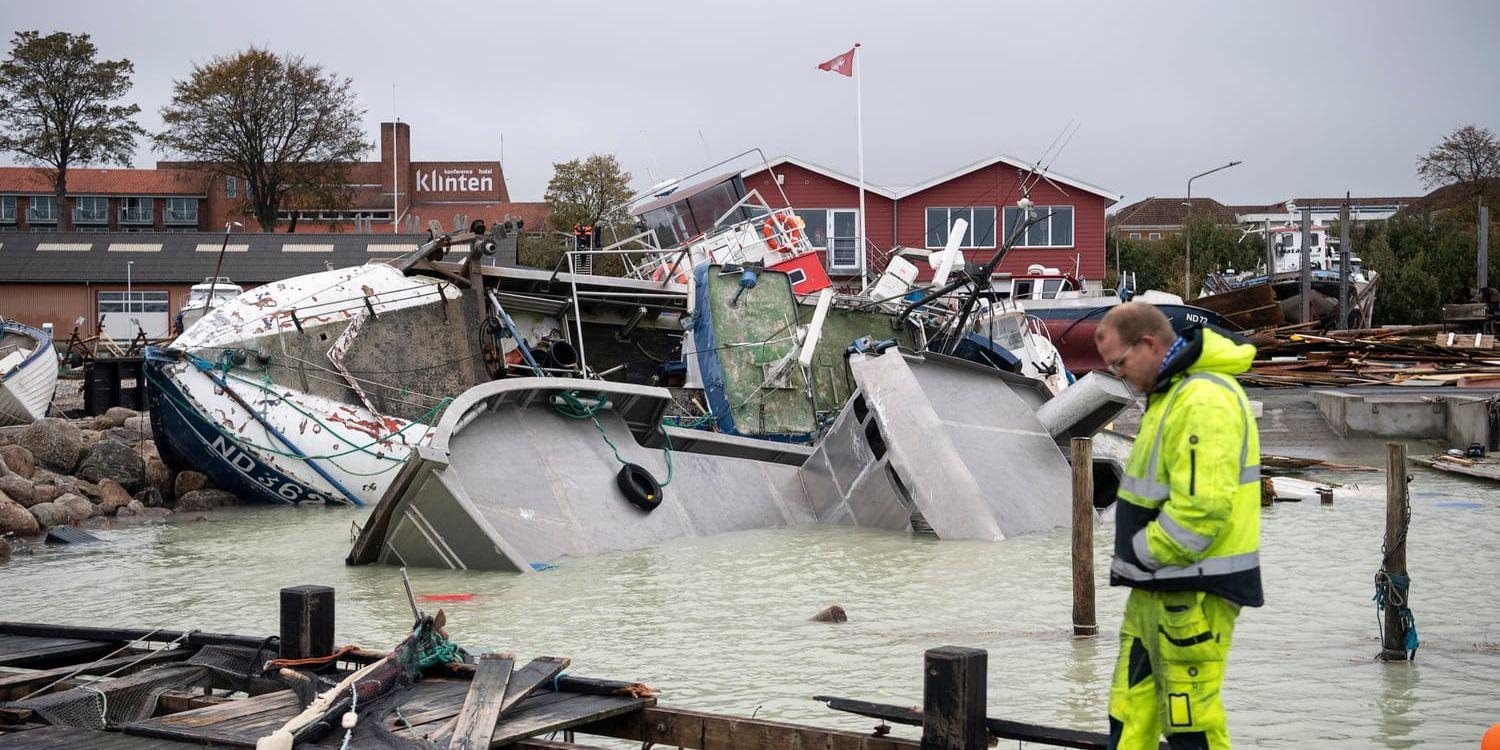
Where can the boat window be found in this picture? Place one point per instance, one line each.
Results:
(816, 228)
(1050, 288)
(709, 205)
(1314, 240)
(1022, 289)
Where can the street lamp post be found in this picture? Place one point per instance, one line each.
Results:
(129, 297)
(1187, 272)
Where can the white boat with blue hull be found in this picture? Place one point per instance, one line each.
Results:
(28, 373)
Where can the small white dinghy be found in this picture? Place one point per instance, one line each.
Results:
(28, 373)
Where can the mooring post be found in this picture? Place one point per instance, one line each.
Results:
(1084, 623)
(1393, 645)
(953, 699)
(306, 621)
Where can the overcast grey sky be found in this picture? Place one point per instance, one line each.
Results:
(1315, 97)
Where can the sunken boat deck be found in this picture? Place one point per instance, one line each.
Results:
(498, 702)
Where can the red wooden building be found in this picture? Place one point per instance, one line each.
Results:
(984, 194)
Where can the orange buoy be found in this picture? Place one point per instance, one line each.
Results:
(1491, 739)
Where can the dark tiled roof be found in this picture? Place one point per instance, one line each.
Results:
(186, 257)
(30, 180)
(1156, 212)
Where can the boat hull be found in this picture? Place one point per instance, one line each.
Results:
(1072, 330)
(26, 389)
(186, 438)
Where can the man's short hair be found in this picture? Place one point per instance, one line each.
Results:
(1132, 320)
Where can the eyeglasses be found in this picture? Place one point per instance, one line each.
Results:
(1114, 367)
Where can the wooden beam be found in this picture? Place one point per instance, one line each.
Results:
(120, 635)
(998, 728)
(12, 687)
(704, 731)
(953, 699)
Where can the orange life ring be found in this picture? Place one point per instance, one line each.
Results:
(787, 226)
(660, 273)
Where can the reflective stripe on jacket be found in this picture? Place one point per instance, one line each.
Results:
(1189, 510)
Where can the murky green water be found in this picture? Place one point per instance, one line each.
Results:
(722, 624)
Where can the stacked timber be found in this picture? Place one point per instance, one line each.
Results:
(1414, 355)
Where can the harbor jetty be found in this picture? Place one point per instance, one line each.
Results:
(127, 688)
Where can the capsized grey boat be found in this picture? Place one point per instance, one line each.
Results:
(513, 481)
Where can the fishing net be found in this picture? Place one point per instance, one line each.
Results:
(377, 697)
(116, 701)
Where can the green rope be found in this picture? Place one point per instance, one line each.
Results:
(422, 420)
(568, 404)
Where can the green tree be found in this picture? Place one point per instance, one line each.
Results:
(1158, 264)
(282, 124)
(590, 192)
(57, 110)
(1469, 156)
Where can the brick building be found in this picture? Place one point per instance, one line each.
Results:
(984, 194)
(394, 194)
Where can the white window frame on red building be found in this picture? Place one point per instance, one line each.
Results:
(949, 217)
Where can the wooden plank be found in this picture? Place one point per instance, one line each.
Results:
(121, 635)
(43, 652)
(69, 738)
(538, 718)
(482, 706)
(704, 731)
(234, 723)
(12, 687)
(540, 671)
(536, 744)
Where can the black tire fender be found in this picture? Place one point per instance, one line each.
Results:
(639, 487)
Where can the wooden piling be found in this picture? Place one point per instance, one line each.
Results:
(1393, 645)
(306, 621)
(953, 699)
(1084, 622)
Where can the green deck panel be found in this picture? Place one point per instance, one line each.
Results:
(831, 379)
(766, 313)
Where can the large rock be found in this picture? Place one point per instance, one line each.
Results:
(114, 460)
(45, 493)
(140, 423)
(117, 415)
(48, 515)
(206, 500)
(133, 508)
(18, 459)
(127, 435)
(159, 475)
(15, 518)
(4, 549)
(90, 437)
(188, 481)
(151, 498)
(56, 444)
(82, 487)
(112, 496)
(77, 507)
(19, 489)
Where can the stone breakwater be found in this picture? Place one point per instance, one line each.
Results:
(81, 471)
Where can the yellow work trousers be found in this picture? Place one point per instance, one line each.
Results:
(1173, 647)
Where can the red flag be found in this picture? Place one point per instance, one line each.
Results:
(843, 64)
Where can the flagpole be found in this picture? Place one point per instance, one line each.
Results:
(859, 129)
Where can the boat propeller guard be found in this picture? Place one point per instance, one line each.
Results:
(639, 487)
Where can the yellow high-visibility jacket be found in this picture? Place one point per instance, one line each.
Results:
(1188, 516)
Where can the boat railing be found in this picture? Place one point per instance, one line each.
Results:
(673, 287)
(733, 238)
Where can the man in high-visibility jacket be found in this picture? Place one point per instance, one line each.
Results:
(1187, 527)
